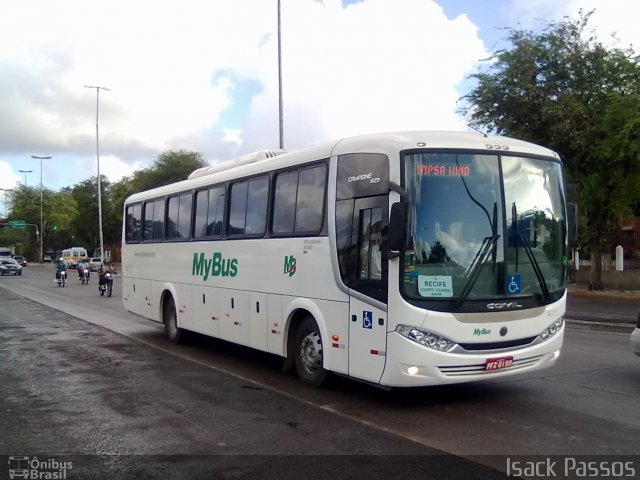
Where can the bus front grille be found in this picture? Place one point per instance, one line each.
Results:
(519, 342)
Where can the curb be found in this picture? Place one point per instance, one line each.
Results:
(601, 326)
(631, 296)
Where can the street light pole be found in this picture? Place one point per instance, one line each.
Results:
(280, 108)
(25, 175)
(41, 230)
(98, 166)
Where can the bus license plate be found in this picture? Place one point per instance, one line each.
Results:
(498, 363)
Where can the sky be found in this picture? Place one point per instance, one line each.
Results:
(202, 75)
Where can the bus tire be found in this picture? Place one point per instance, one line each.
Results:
(308, 353)
(170, 319)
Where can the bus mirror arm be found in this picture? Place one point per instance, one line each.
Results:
(394, 187)
(572, 220)
(397, 227)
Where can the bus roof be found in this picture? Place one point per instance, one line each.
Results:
(266, 160)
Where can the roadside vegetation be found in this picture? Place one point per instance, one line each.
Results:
(69, 216)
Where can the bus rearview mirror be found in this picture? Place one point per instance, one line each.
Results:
(398, 226)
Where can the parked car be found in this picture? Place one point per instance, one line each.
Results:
(8, 266)
(46, 259)
(21, 260)
(95, 264)
(635, 337)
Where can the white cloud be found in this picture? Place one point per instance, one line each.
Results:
(8, 178)
(173, 68)
(617, 17)
(114, 168)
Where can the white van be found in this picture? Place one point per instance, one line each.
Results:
(73, 255)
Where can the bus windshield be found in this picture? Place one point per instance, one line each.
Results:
(483, 226)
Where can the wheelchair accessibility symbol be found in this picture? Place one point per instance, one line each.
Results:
(513, 284)
(367, 320)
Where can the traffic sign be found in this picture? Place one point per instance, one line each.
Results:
(17, 223)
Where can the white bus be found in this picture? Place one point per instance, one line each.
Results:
(400, 259)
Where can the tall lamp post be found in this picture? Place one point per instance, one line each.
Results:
(98, 166)
(25, 175)
(41, 231)
(280, 109)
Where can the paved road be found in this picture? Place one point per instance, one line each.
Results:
(600, 308)
(127, 390)
(76, 392)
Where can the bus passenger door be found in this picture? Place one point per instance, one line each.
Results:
(368, 287)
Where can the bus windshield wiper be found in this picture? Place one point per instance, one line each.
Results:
(536, 267)
(527, 248)
(474, 269)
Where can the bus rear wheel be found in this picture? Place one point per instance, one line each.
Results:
(170, 319)
(308, 354)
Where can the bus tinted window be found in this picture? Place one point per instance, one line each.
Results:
(257, 201)
(300, 192)
(310, 203)
(147, 229)
(179, 216)
(209, 211)
(248, 210)
(200, 216)
(238, 208)
(153, 220)
(133, 225)
(285, 202)
(158, 219)
(370, 254)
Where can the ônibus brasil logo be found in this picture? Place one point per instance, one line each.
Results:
(216, 266)
(290, 265)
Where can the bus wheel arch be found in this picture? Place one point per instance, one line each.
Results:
(170, 319)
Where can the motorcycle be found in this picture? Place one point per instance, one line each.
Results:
(84, 276)
(61, 277)
(105, 284)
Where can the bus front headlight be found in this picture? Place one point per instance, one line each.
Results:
(426, 338)
(552, 329)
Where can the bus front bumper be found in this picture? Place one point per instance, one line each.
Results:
(409, 364)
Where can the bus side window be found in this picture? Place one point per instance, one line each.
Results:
(179, 216)
(134, 223)
(370, 253)
(248, 207)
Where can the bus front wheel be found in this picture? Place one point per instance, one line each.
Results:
(170, 318)
(308, 353)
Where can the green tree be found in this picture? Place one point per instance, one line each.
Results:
(564, 89)
(58, 209)
(171, 166)
(74, 210)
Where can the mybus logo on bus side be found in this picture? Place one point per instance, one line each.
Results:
(289, 265)
(215, 266)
